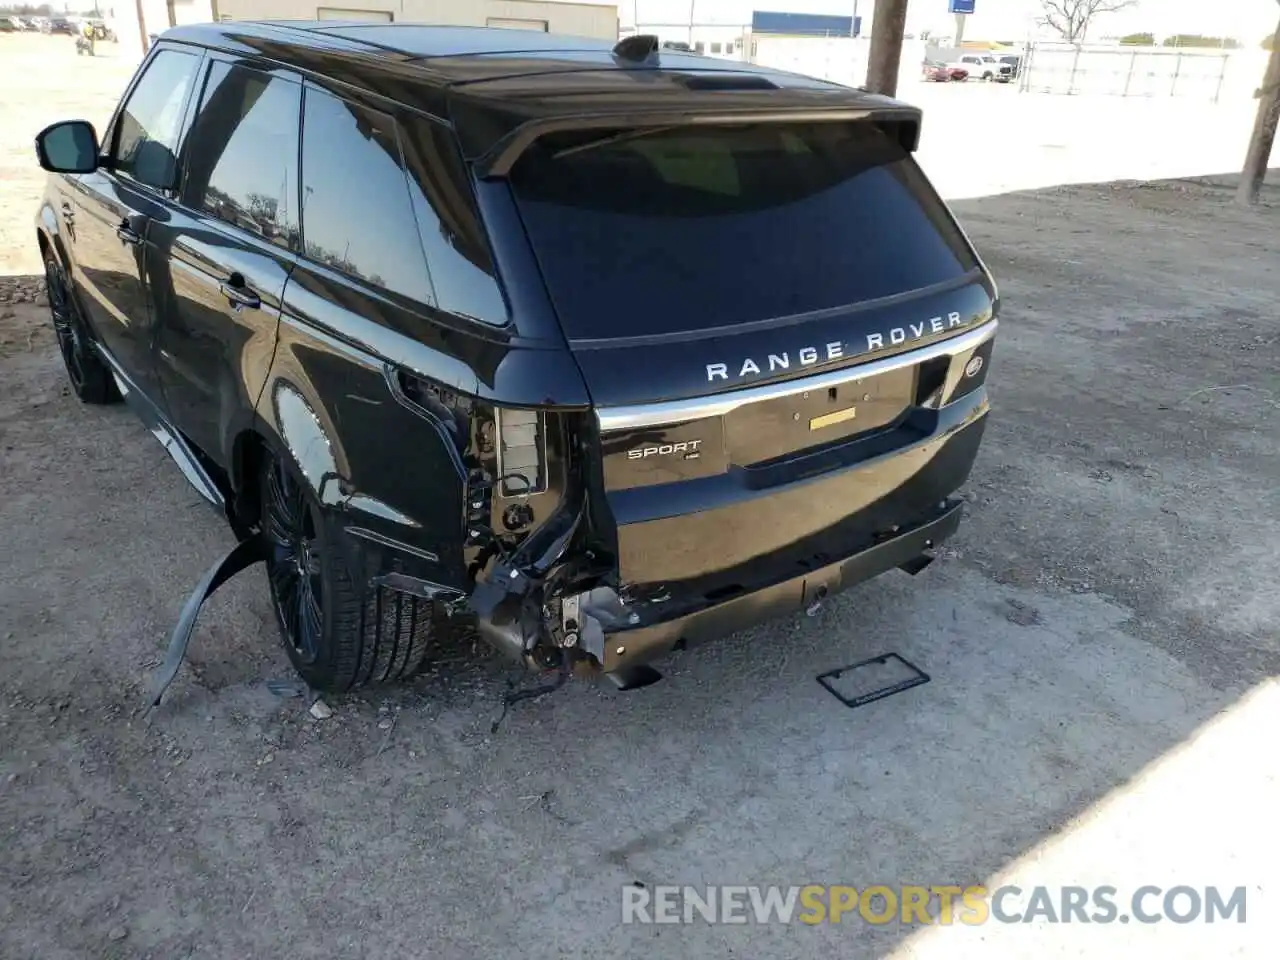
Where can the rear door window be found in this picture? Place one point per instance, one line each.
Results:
(242, 158)
(462, 272)
(357, 212)
(647, 233)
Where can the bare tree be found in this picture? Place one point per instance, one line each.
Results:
(1071, 18)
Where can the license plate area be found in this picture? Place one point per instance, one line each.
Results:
(771, 429)
(873, 679)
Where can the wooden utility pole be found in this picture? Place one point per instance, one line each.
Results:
(1264, 129)
(142, 27)
(888, 24)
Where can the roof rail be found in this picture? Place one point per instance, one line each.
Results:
(637, 48)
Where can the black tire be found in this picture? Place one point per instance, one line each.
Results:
(337, 635)
(90, 378)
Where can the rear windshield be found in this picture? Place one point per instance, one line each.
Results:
(660, 232)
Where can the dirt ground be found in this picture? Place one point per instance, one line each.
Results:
(44, 81)
(1103, 637)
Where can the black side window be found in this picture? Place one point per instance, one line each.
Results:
(147, 129)
(242, 155)
(356, 211)
(462, 271)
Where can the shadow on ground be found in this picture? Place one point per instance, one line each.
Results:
(1102, 603)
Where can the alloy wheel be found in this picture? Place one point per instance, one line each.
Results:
(70, 344)
(293, 561)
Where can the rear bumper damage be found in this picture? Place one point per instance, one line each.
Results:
(886, 513)
(619, 646)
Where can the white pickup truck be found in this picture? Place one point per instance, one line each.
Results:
(984, 66)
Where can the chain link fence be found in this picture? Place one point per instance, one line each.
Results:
(1124, 71)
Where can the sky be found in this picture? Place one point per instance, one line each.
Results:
(1246, 20)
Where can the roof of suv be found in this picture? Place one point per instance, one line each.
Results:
(495, 84)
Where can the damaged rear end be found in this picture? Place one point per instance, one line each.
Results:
(785, 337)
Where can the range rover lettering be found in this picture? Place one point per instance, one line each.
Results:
(598, 350)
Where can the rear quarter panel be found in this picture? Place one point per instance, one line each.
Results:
(386, 474)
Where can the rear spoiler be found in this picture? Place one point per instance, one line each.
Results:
(498, 160)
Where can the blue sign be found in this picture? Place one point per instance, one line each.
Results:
(960, 6)
(805, 24)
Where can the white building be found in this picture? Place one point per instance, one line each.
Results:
(590, 18)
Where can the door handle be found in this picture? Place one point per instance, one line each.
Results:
(234, 289)
(68, 213)
(128, 234)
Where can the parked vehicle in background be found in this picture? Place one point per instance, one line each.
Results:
(388, 294)
(9, 25)
(958, 71)
(936, 71)
(62, 25)
(1014, 63)
(984, 66)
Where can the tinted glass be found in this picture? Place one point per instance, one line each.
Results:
(242, 164)
(148, 127)
(357, 214)
(694, 228)
(458, 258)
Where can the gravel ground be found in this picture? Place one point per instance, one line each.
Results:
(1102, 637)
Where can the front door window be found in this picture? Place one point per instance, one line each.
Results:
(148, 127)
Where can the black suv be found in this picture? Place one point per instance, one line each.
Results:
(599, 349)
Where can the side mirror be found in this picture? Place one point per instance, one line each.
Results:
(68, 147)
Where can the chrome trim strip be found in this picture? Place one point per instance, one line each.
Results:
(375, 537)
(174, 445)
(682, 411)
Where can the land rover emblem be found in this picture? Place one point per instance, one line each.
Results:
(973, 367)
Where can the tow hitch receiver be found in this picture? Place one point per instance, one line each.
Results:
(245, 554)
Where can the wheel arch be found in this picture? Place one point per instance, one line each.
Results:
(48, 237)
(380, 469)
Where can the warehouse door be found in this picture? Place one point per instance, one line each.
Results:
(340, 13)
(514, 23)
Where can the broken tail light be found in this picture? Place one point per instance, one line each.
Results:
(522, 452)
